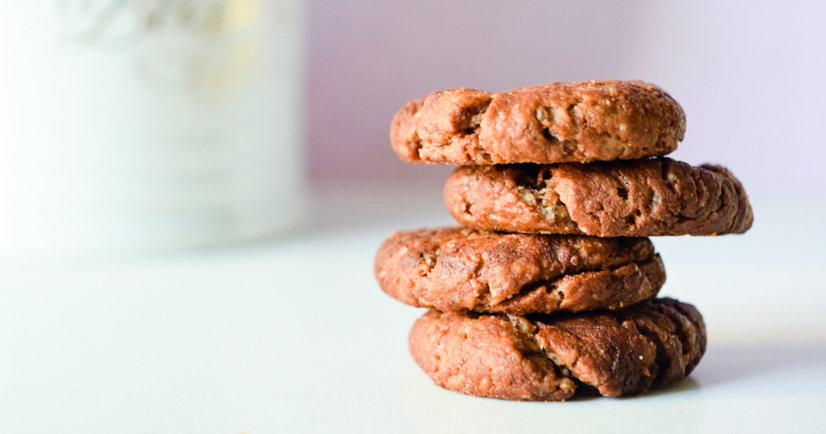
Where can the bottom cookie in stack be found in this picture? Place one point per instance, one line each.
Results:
(554, 357)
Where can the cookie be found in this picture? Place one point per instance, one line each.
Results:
(551, 123)
(606, 199)
(465, 269)
(552, 358)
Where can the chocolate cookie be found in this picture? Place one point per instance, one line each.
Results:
(551, 123)
(466, 269)
(551, 358)
(606, 199)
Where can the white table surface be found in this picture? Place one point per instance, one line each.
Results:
(294, 335)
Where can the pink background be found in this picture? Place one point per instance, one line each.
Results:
(750, 76)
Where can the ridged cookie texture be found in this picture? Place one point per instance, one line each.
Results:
(551, 123)
(459, 269)
(550, 358)
(636, 198)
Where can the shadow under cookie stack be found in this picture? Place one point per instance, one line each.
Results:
(549, 289)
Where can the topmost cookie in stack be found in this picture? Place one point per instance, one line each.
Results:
(583, 159)
(552, 123)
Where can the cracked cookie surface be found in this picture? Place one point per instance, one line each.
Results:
(465, 269)
(646, 197)
(551, 358)
(551, 123)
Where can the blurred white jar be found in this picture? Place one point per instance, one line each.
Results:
(129, 125)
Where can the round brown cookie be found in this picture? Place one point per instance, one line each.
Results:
(550, 123)
(550, 358)
(465, 269)
(606, 199)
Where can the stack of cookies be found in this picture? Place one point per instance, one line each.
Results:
(549, 289)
